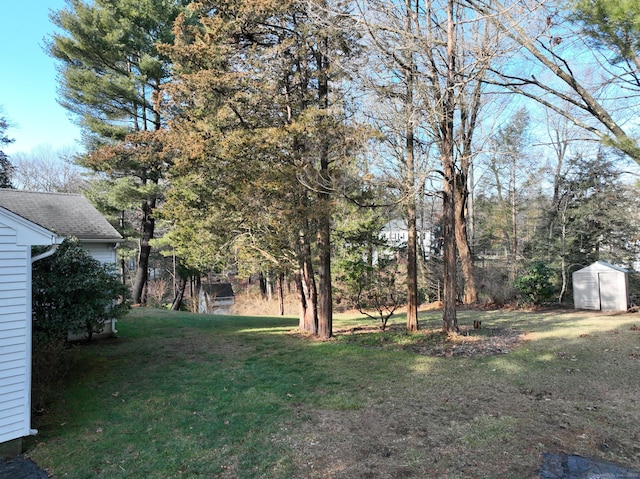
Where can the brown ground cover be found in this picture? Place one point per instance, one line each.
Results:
(486, 403)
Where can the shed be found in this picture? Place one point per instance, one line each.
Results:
(17, 236)
(214, 298)
(601, 286)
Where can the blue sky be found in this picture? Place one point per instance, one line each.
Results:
(28, 78)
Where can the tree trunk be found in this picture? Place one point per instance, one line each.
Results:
(469, 110)
(514, 224)
(325, 306)
(449, 319)
(325, 300)
(281, 293)
(177, 301)
(412, 245)
(563, 251)
(410, 187)
(262, 282)
(462, 239)
(307, 286)
(148, 227)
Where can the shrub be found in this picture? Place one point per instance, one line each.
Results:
(74, 292)
(494, 286)
(157, 290)
(374, 288)
(534, 285)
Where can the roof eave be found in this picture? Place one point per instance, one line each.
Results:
(101, 240)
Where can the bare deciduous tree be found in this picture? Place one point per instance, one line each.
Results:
(439, 52)
(556, 68)
(49, 170)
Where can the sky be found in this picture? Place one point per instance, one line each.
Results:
(28, 79)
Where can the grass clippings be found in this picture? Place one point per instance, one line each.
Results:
(187, 396)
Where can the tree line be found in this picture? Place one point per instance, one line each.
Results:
(281, 136)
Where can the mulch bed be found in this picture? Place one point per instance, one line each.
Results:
(497, 341)
(467, 343)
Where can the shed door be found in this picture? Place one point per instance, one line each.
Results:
(589, 292)
(608, 291)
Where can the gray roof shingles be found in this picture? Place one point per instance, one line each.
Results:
(62, 213)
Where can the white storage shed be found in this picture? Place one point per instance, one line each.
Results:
(17, 235)
(601, 286)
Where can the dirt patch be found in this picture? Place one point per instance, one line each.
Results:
(408, 439)
(430, 342)
(196, 347)
(495, 341)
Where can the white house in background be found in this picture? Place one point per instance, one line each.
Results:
(396, 234)
(601, 286)
(17, 236)
(67, 215)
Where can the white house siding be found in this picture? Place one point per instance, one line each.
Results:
(15, 337)
(103, 252)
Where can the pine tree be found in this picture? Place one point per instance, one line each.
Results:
(111, 78)
(6, 167)
(260, 128)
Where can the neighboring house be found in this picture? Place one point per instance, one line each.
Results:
(67, 215)
(396, 234)
(17, 236)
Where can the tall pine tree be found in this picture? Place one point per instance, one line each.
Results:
(5, 165)
(259, 126)
(111, 78)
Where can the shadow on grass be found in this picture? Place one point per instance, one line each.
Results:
(182, 395)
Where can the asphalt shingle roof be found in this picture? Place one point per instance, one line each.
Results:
(62, 213)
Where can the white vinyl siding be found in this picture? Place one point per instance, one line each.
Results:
(15, 336)
(103, 252)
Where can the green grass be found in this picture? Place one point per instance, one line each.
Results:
(181, 395)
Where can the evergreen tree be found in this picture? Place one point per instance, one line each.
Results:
(259, 127)
(111, 78)
(613, 28)
(595, 217)
(6, 168)
(602, 211)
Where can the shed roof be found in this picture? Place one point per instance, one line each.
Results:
(219, 290)
(600, 265)
(62, 213)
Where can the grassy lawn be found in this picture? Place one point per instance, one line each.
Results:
(186, 396)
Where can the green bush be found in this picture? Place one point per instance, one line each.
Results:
(534, 285)
(74, 292)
